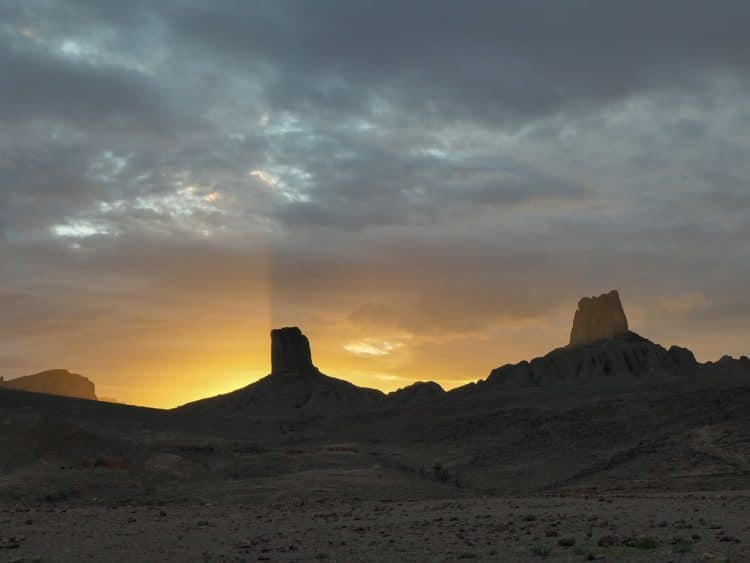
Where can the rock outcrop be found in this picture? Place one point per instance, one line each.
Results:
(625, 355)
(598, 318)
(600, 345)
(416, 393)
(54, 382)
(727, 364)
(290, 351)
(294, 389)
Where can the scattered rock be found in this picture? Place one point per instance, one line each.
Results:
(13, 542)
(608, 541)
(679, 539)
(715, 558)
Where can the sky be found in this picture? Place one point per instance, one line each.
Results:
(426, 188)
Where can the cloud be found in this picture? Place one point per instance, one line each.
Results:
(372, 347)
(444, 176)
(490, 61)
(46, 84)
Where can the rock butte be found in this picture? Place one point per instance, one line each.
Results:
(598, 318)
(290, 352)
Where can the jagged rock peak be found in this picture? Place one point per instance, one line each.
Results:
(626, 355)
(290, 351)
(598, 318)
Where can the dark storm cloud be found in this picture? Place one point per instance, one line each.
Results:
(382, 185)
(491, 60)
(39, 85)
(44, 184)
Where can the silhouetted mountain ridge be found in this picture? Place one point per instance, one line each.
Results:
(626, 355)
(308, 393)
(601, 349)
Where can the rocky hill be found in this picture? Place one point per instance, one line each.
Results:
(624, 355)
(54, 382)
(416, 393)
(601, 346)
(295, 387)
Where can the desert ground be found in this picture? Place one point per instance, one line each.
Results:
(630, 471)
(692, 527)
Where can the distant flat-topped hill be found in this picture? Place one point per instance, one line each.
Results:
(54, 382)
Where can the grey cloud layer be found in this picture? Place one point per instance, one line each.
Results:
(414, 166)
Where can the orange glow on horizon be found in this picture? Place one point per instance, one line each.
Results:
(171, 378)
(213, 348)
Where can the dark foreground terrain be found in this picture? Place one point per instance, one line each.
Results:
(620, 470)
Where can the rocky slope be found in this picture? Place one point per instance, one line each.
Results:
(291, 395)
(624, 355)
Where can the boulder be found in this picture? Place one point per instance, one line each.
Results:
(598, 318)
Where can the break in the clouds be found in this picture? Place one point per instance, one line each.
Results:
(426, 187)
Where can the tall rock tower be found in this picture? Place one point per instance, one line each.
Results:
(290, 352)
(598, 318)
